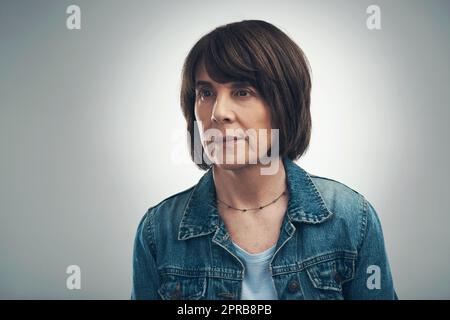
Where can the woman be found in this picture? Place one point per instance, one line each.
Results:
(256, 225)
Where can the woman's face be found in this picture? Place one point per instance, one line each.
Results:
(233, 120)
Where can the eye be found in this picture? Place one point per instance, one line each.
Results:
(205, 93)
(243, 93)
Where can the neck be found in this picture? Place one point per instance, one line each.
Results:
(246, 187)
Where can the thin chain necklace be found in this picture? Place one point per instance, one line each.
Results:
(258, 208)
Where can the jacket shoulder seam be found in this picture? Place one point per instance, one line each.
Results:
(362, 210)
(151, 216)
(149, 230)
(339, 182)
(364, 220)
(170, 197)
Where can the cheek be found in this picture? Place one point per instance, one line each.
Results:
(264, 125)
(202, 119)
(202, 114)
(267, 117)
(260, 118)
(196, 112)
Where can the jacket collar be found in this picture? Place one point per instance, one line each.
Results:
(201, 217)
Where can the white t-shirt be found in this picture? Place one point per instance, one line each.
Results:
(258, 283)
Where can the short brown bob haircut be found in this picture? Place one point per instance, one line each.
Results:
(260, 53)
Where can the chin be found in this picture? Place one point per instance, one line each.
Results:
(233, 163)
(231, 166)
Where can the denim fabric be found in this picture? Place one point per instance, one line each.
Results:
(330, 246)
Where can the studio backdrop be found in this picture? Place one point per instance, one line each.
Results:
(92, 133)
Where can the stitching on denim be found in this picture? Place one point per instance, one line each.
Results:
(323, 205)
(300, 266)
(150, 230)
(186, 207)
(345, 254)
(196, 292)
(198, 273)
(363, 227)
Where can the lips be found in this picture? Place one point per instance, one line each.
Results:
(229, 139)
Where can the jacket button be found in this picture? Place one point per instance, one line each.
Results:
(338, 277)
(176, 294)
(293, 286)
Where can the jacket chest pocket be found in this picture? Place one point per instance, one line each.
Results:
(328, 275)
(176, 287)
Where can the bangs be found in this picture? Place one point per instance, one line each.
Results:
(227, 58)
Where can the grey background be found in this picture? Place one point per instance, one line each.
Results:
(91, 133)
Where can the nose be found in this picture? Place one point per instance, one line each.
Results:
(223, 110)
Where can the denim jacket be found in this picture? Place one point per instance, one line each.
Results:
(330, 246)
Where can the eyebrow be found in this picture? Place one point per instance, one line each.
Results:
(233, 84)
